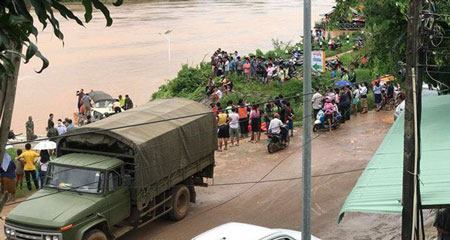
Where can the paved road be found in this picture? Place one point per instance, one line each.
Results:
(338, 157)
(277, 204)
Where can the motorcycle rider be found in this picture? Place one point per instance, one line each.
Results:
(275, 127)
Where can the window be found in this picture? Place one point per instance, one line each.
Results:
(114, 179)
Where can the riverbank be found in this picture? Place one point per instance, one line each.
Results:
(131, 57)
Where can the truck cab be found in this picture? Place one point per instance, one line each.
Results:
(84, 196)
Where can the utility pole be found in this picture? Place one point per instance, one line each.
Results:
(412, 124)
(307, 124)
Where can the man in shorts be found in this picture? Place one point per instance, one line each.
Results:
(234, 126)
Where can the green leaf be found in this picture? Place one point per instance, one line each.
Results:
(39, 9)
(100, 6)
(65, 12)
(31, 51)
(88, 10)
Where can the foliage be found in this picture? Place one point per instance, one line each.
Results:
(17, 23)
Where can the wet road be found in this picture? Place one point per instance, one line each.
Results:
(338, 158)
(131, 57)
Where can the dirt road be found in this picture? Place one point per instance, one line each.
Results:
(338, 158)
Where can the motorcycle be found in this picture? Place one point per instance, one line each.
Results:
(326, 126)
(276, 142)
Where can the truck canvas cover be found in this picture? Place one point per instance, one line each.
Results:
(168, 144)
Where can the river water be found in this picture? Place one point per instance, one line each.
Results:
(131, 57)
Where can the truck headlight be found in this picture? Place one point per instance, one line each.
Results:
(55, 238)
(48, 238)
(8, 231)
(12, 232)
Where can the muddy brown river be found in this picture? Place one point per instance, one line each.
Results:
(131, 57)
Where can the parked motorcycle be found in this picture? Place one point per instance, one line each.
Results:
(318, 126)
(275, 141)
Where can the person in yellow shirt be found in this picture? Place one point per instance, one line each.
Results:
(224, 131)
(29, 157)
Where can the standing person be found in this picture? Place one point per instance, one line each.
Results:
(269, 72)
(8, 176)
(253, 65)
(61, 128)
(363, 97)
(19, 169)
(377, 93)
(86, 105)
(50, 123)
(239, 66)
(224, 132)
(289, 118)
(29, 158)
(268, 114)
(43, 165)
(345, 104)
(80, 95)
(121, 101)
(247, 69)
(442, 224)
(128, 103)
(243, 118)
(355, 100)
(234, 126)
(29, 126)
(317, 100)
(255, 122)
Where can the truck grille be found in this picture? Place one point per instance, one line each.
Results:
(22, 234)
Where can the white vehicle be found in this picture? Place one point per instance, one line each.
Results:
(102, 105)
(242, 231)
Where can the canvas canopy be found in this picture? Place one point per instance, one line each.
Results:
(98, 96)
(379, 188)
(158, 150)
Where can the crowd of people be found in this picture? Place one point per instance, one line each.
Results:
(340, 103)
(240, 120)
(251, 67)
(23, 163)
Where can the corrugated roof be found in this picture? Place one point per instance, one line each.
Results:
(379, 188)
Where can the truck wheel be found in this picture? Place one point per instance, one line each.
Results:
(180, 202)
(95, 234)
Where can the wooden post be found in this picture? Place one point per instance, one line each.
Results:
(410, 124)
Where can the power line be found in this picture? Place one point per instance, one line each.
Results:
(147, 123)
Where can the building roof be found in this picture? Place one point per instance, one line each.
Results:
(379, 188)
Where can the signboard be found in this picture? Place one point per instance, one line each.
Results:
(318, 61)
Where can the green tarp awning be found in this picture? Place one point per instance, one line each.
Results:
(379, 188)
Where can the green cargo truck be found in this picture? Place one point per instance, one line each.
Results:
(108, 180)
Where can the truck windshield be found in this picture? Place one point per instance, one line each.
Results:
(76, 179)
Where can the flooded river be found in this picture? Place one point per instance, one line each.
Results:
(131, 57)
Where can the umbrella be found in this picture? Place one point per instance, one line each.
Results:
(342, 83)
(45, 145)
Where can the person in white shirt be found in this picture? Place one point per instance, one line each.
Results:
(317, 99)
(234, 126)
(61, 128)
(275, 124)
(355, 100)
(363, 97)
